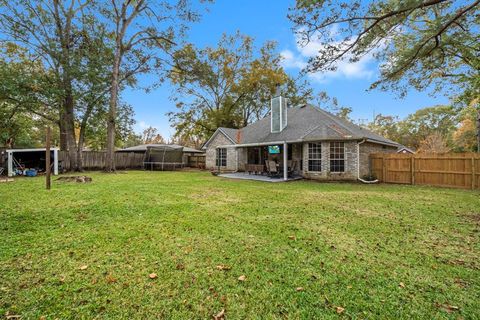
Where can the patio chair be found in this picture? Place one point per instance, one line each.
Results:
(272, 168)
(291, 168)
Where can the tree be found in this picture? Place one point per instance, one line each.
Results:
(465, 136)
(422, 41)
(71, 48)
(151, 135)
(433, 143)
(418, 126)
(96, 133)
(386, 126)
(229, 85)
(21, 111)
(141, 29)
(419, 43)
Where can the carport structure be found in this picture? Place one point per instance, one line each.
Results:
(31, 158)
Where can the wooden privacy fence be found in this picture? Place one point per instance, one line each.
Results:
(458, 170)
(96, 160)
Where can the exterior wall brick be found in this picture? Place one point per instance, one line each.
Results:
(211, 153)
(237, 158)
(351, 163)
(242, 158)
(366, 149)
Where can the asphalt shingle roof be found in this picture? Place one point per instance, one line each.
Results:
(304, 123)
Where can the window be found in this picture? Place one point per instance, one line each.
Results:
(221, 160)
(314, 157)
(337, 157)
(254, 155)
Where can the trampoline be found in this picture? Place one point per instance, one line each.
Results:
(164, 158)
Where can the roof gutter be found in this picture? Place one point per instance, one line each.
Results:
(259, 144)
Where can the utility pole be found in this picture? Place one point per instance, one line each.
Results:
(47, 160)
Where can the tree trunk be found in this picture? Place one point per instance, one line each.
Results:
(70, 130)
(81, 141)
(112, 113)
(81, 137)
(63, 131)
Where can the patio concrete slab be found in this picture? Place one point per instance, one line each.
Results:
(246, 176)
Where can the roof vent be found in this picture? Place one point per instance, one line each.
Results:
(278, 112)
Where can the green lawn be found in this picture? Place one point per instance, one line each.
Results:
(305, 248)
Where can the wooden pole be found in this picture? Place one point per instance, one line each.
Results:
(47, 160)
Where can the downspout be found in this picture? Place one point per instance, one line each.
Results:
(358, 165)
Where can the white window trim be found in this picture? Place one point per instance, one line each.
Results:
(218, 162)
(308, 157)
(330, 158)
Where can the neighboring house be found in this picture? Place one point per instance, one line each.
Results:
(318, 144)
(405, 150)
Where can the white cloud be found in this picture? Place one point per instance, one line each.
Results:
(361, 69)
(290, 60)
(143, 125)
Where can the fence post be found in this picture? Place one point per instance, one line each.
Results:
(473, 172)
(412, 169)
(384, 169)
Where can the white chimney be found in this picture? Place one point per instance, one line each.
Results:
(278, 112)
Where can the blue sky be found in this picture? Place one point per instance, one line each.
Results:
(267, 20)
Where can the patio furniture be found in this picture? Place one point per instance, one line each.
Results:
(254, 168)
(272, 168)
(292, 167)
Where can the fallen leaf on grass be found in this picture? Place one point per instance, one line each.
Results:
(292, 237)
(401, 285)
(110, 279)
(180, 266)
(449, 308)
(339, 310)
(223, 267)
(152, 276)
(84, 267)
(299, 289)
(220, 315)
(242, 278)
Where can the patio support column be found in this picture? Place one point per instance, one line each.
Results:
(10, 164)
(55, 161)
(285, 161)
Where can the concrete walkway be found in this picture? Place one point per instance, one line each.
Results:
(246, 176)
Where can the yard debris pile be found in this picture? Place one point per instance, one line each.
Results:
(79, 179)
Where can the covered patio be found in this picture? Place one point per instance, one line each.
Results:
(270, 161)
(264, 178)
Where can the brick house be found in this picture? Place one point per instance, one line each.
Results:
(319, 144)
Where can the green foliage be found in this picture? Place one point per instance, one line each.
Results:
(227, 86)
(378, 251)
(418, 43)
(416, 127)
